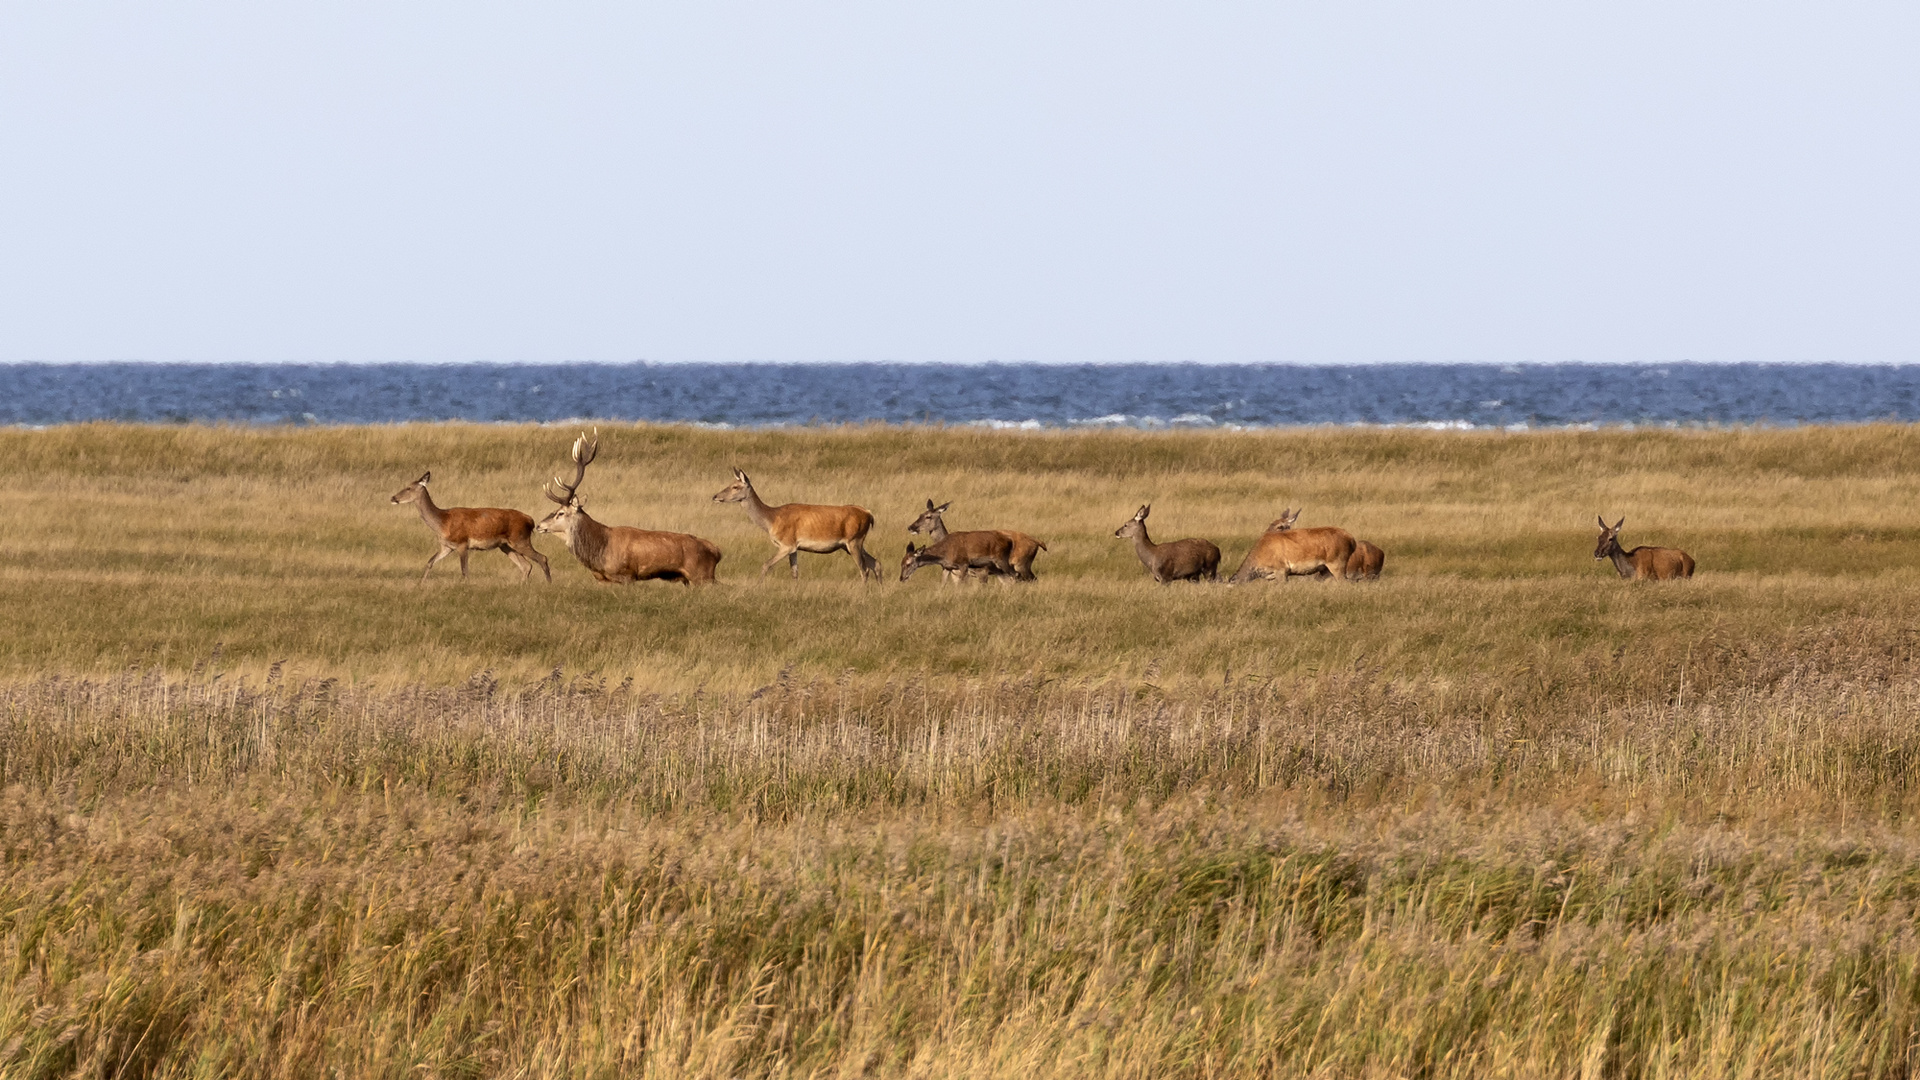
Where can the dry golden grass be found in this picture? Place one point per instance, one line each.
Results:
(1498, 814)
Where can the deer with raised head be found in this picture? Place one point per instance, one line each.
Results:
(798, 527)
(1192, 559)
(1642, 563)
(475, 528)
(618, 553)
(1284, 551)
(960, 552)
(1025, 548)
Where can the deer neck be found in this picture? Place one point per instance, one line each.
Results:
(587, 539)
(1143, 546)
(1620, 561)
(938, 531)
(429, 513)
(760, 512)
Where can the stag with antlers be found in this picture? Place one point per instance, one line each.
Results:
(619, 553)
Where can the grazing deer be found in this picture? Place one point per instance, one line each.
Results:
(1365, 563)
(1642, 563)
(1025, 548)
(618, 553)
(1284, 551)
(798, 527)
(960, 552)
(1192, 559)
(468, 528)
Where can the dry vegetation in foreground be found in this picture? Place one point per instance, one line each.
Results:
(1495, 815)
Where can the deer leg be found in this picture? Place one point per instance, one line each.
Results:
(463, 562)
(793, 564)
(869, 566)
(445, 550)
(778, 554)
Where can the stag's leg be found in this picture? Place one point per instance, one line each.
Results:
(444, 551)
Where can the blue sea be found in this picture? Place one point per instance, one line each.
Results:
(999, 395)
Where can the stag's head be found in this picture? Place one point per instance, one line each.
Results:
(412, 491)
(1609, 539)
(1284, 521)
(563, 521)
(736, 491)
(929, 519)
(1136, 525)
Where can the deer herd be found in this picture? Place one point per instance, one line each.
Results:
(619, 553)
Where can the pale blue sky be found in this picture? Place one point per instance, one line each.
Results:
(1319, 182)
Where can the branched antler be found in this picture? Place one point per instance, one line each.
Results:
(584, 451)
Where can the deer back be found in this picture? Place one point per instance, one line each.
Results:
(1660, 563)
(1301, 551)
(807, 524)
(478, 525)
(649, 553)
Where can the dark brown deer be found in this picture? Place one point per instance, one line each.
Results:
(798, 527)
(1365, 563)
(1025, 548)
(1642, 563)
(1284, 551)
(618, 553)
(1191, 559)
(960, 552)
(469, 528)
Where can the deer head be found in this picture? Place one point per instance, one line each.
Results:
(738, 491)
(913, 560)
(1137, 524)
(412, 491)
(929, 519)
(1609, 539)
(571, 505)
(1284, 521)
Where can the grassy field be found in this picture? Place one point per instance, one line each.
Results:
(270, 807)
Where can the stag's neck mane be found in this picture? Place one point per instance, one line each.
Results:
(587, 539)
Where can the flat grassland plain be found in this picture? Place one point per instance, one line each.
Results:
(270, 807)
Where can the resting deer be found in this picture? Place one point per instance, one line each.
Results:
(1284, 551)
(961, 552)
(468, 528)
(1025, 548)
(1642, 563)
(798, 527)
(618, 553)
(1192, 559)
(1366, 562)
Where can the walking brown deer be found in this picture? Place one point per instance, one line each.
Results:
(1191, 559)
(798, 527)
(960, 552)
(1284, 551)
(1025, 548)
(469, 528)
(619, 553)
(1642, 563)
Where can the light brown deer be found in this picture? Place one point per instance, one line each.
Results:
(1642, 563)
(960, 552)
(618, 553)
(1366, 562)
(798, 527)
(467, 528)
(1284, 551)
(1025, 548)
(1192, 559)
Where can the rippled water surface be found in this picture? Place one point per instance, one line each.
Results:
(1143, 395)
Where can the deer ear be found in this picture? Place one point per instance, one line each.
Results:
(929, 504)
(909, 547)
(1603, 523)
(1617, 524)
(1141, 514)
(942, 508)
(424, 477)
